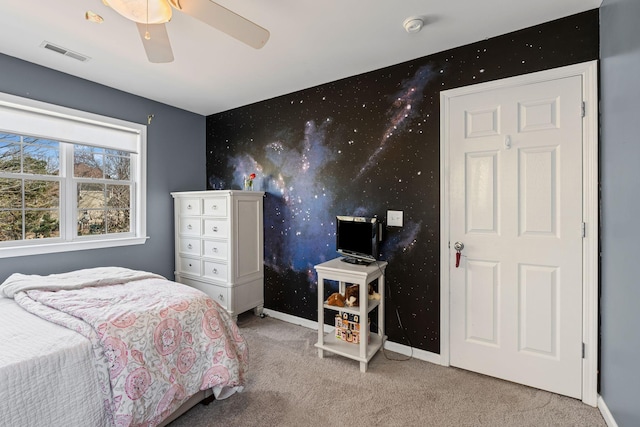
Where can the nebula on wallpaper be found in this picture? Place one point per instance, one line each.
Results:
(402, 242)
(304, 194)
(405, 107)
(306, 221)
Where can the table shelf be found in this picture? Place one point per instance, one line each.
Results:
(361, 275)
(372, 303)
(350, 350)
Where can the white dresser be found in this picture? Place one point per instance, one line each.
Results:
(220, 246)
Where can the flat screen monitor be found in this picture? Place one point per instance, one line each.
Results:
(357, 238)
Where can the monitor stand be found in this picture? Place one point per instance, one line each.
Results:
(357, 261)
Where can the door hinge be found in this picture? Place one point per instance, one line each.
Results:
(583, 109)
(584, 229)
(583, 350)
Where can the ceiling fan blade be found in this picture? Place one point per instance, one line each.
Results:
(158, 47)
(224, 20)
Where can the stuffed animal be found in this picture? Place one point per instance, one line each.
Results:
(372, 293)
(336, 299)
(351, 295)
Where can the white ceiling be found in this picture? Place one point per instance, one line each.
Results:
(312, 42)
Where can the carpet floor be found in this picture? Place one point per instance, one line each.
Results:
(288, 385)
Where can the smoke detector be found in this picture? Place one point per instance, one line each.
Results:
(413, 24)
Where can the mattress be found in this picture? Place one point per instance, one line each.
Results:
(40, 379)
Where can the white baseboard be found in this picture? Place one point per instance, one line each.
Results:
(291, 319)
(405, 350)
(606, 414)
(427, 356)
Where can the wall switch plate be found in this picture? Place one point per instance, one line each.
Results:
(394, 218)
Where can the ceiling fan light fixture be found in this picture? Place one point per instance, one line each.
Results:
(413, 24)
(157, 12)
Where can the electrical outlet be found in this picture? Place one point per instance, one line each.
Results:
(394, 218)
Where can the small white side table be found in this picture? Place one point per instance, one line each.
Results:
(362, 275)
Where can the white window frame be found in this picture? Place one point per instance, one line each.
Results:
(28, 117)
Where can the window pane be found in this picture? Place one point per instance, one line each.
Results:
(116, 167)
(41, 194)
(42, 157)
(118, 221)
(9, 137)
(10, 193)
(88, 162)
(42, 224)
(116, 152)
(90, 222)
(118, 196)
(10, 225)
(9, 153)
(91, 196)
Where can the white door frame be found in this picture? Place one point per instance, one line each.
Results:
(589, 73)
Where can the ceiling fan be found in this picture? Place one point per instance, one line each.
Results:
(151, 15)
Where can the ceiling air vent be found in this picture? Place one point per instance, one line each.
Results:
(66, 52)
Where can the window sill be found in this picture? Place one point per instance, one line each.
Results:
(49, 248)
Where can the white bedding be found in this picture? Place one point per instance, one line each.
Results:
(40, 378)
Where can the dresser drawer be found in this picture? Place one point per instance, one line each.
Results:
(215, 270)
(189, 246)
(190, 265)
(216, 228)
(190, 226)
(190, 206)
(220, 294)
(215, 206)
(215, 249)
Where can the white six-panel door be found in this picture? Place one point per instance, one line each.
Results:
(515, 194)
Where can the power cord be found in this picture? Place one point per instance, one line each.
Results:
(406, 335)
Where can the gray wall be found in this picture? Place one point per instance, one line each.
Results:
(175, 162)
(620, 232)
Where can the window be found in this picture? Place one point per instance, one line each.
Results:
(69, 180)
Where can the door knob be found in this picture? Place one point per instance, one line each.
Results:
(458, 246)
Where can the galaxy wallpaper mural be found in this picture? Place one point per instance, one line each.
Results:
(364, 145)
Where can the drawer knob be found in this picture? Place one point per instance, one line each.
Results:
(215, 271)
(189, 207)
(189, 227)
(189, 246)
(215, 207)
(215, 250)
(221, 297)
(215, 229)
(190, 265)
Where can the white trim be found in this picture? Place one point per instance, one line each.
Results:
(415, 353)
(588, 72)
(389, 345)
(590, 253)
(606, 414)
(51, 248)
(311, 324)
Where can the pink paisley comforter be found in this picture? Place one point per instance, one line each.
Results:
(156, 342)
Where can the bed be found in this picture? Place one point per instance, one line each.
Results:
(112, 346)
